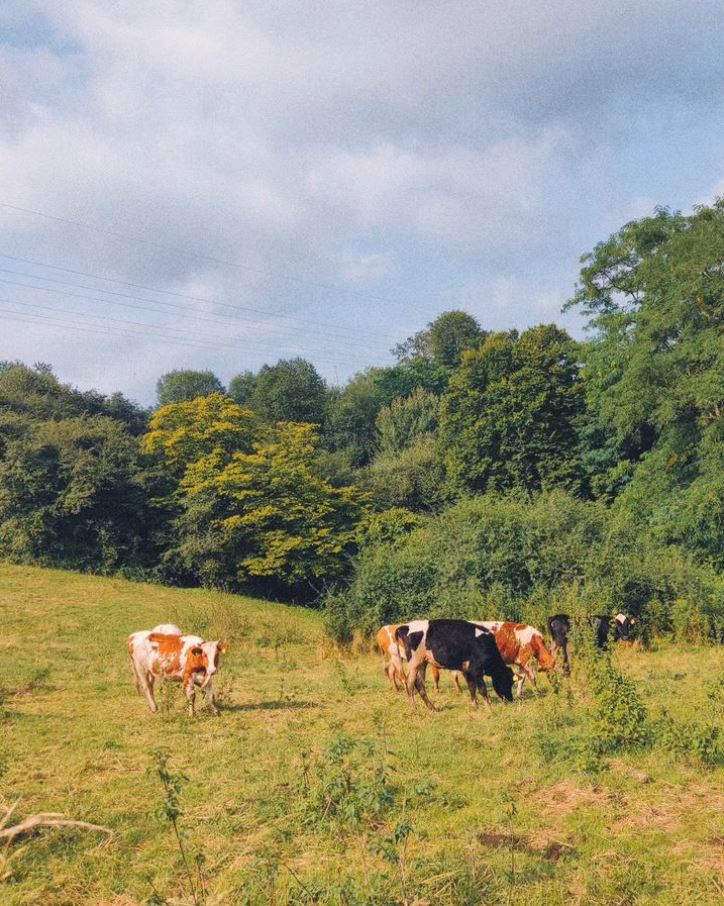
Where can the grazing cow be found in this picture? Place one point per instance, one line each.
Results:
(560, 627)
(184, 658)
(454, 645)
(518, 644)
(395, 652)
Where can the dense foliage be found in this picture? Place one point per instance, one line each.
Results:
(498, 474)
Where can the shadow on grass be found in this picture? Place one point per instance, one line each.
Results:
(272, 706)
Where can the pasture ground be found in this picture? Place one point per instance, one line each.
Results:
(316, 784)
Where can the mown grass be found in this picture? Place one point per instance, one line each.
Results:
(316, 784)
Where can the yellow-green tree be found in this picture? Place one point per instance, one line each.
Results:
(269, 513)
(182, 433)
(251, 503)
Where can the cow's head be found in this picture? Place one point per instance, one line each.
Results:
(212, 652)
(624, 626)
(546, 660)
(502, 678)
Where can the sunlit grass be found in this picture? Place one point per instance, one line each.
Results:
(500, 806)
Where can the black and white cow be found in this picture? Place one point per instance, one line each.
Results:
(454, 645)
(560, 627)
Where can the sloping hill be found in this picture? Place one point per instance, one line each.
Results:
(316, 784)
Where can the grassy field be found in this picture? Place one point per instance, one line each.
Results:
(316, 784)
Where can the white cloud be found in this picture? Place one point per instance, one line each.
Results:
(475, 144)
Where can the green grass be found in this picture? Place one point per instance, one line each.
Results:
(318, 785)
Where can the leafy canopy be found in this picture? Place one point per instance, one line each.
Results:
(177, 386)
(509, 417)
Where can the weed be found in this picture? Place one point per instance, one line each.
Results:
(348, 685)
(170, 809)
(698, 742)
(393, 848)
(342, 787)
(619, 716)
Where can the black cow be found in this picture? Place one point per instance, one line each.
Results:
(454, 645)
(560, 626)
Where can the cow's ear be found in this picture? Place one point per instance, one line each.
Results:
(633, 620)
(224, 647)
(197, 650)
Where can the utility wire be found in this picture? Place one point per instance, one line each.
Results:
(210, 345)
(239, 265)
(206, 316)
(74, 295)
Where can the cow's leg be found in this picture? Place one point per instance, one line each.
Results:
(472, 687)
(190, 691)
(520, 676)
(421, 688)
(394, 670)
(416, 680)
(136, 677)
(147, 682)
(390, 674)
(478, 674)
(566, 661)
(435, 676)
(211, 698)
(456, 678)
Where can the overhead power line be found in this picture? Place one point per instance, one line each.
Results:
(155, 333)
(148, 302)
(210, 318)
(239, 265)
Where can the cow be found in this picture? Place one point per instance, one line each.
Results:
(454, 645)
(518, 644)
(184, 658)
(395, 652)
(560, 627)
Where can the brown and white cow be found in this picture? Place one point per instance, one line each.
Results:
(170, 654)
(519, 644)
(395, 653)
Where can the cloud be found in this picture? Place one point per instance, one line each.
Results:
(330, 176)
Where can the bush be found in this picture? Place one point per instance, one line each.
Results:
(694, 741)
(619, 717)
(518, 558)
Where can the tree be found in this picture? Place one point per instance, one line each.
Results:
(406, 419)
(654, 294)
(266, 513)
(351, 418)
(292, 390)
(443, 341)
(72, 493)
(352, 412)
(413, 478)
(510, 415)
(38, 394)
(178, 386)
(182, 433)
(241, 387)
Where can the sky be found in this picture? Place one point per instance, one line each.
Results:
(225, 184)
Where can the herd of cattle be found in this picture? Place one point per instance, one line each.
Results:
(479, 648)
(468, 648)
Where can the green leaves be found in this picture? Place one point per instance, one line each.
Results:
(253, 504)
(509, 417)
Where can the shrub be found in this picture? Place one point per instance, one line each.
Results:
(619, 717)
(695, 741)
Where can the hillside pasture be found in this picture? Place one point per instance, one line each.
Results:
(317, 784)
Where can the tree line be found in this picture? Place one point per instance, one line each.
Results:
(485, 472)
